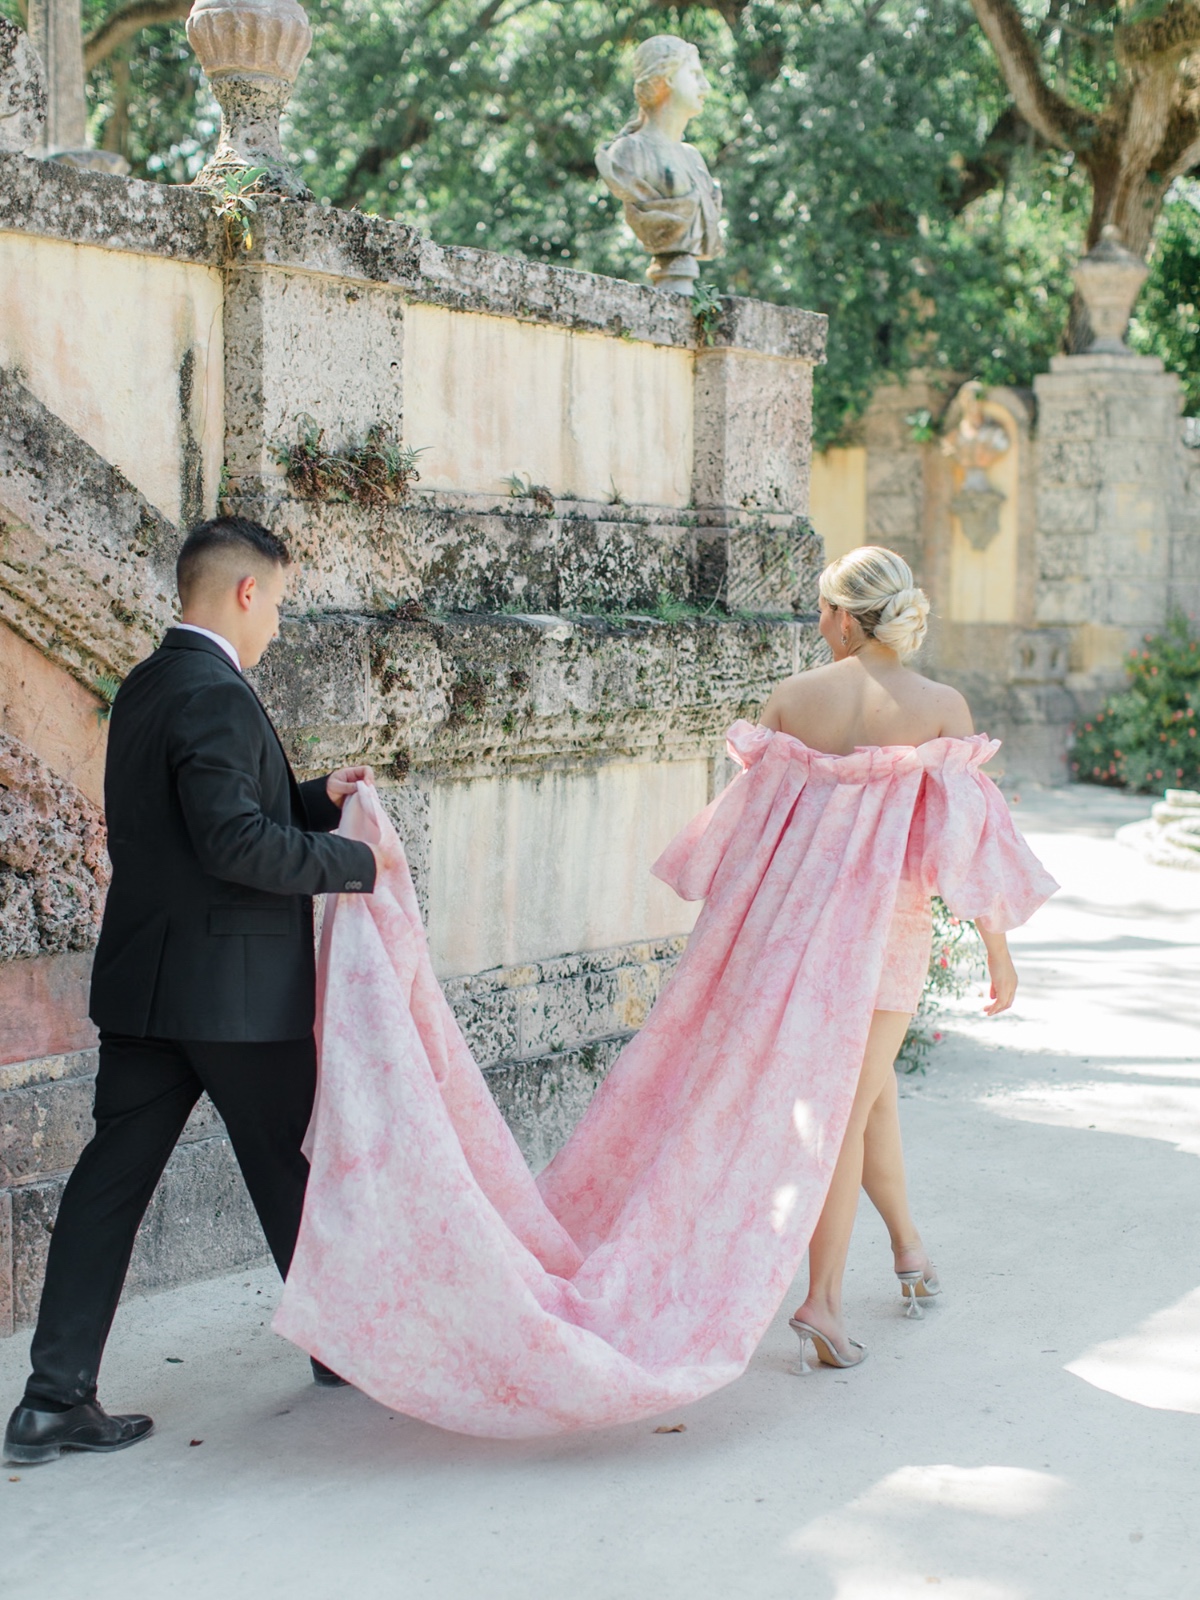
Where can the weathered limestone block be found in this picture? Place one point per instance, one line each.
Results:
(53, 864)
(542, 1101)
(85, 561)
(298, 345)
(199, 1222)
(479, 553)
(468, 696)
(22, 91)
(753, 458)
(1109, 465)
(125, 351)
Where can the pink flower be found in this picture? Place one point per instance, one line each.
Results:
(937, 1038)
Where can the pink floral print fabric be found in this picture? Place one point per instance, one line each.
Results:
(640, 1270)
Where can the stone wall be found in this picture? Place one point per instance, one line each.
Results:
(606, 559)
(1097, 538)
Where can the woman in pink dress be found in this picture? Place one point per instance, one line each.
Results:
(873, 618)
(640, 1270)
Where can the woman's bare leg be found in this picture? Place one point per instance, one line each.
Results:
(830, 1243)
(883, 1177)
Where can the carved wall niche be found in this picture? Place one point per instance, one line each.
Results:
(985, 443)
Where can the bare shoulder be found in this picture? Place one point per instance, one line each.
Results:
(951, 710)
(789, 698)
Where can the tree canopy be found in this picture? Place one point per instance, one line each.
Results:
(882, 160)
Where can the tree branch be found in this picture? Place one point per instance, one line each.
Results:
(125, 23)
(990, 167)
(1169, 35)
(1056, 119)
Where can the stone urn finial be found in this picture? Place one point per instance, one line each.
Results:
(251, 52)
(1110, 278)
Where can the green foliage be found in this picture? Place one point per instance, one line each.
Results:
(706, 310)
(922, 426)
(106, 686)
(871, 164)
(1145, 738)
(378, 472)
(955, 961)
(235, 204)
(1167, 320)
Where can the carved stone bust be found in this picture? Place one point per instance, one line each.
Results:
(671, 200)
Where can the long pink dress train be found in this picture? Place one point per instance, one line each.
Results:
(641, 1269)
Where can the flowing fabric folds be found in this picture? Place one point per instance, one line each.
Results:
(641, 1269)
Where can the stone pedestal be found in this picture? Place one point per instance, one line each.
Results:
(755, 548)
(1108, 451)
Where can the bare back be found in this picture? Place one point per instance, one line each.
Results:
(870, 701)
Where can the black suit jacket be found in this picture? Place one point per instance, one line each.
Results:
(216, 852)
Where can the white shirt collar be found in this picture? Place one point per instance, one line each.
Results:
(190, 627)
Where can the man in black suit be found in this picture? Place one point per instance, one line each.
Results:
(204, 977)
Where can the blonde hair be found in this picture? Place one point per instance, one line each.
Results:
(656, 60)
(876, 587)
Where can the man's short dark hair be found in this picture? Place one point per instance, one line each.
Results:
(225, 534)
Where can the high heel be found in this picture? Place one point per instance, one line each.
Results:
(917, 1286)
(826, 1352)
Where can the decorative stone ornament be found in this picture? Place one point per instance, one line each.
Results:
(1170, 836)
(1110, 278)
(671, 200)
(975, 444)
(251, 52)
(22, 91)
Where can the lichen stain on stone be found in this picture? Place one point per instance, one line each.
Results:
(191, 456)
(53, 863)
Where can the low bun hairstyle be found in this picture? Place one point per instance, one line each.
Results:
(876, 587)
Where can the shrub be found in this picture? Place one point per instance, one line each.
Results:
(1145, 738)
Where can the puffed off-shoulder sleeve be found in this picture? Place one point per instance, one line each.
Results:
(690, 862)
(966, 845)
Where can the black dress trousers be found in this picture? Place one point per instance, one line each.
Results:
(145, 1090)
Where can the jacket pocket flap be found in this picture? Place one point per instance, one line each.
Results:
(252, 921)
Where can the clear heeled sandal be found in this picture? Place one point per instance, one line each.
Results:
(826, 1352)
(918, 1287)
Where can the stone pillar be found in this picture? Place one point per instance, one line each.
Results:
(1108, 450)
(22, 92)
(899, 467)
(56, 29)
(755, 548)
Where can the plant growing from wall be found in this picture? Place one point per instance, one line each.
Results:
(377, 473)
(1146, 738)
(954, 963)
(235, 206)
(522, 487)
(706, 311)
(106, 686)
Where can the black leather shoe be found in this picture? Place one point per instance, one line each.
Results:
(35, 1436)
(326, 1376)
